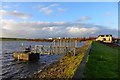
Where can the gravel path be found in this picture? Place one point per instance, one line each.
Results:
(79, 72)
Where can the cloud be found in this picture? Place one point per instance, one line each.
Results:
(11, 28)
(46, 10)
(83, 30)
(50, 9)
(14, 13)
(61, 10)
(53, 5)
(84, 18)
(5, 6)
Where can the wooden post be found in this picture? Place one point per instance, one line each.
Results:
(72, 44)
(18, 57)
(67, 43)
(74, 51)
(75, 43)
(58, 42)
(54, 43)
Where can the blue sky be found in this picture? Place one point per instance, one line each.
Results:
(59, 19)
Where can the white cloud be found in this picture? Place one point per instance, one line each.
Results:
(77, 30)
(84, 18)
(50, 8)
(5, 6)
(46, 10)
(12, 28)
(14, 13)
(82, 30)
(61, 10)
(53, 5)
(7, 23)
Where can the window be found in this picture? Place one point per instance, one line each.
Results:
(102, 35)
(107, 35)
(104, 39)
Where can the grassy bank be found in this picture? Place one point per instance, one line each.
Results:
(102, 62)
(65, 67)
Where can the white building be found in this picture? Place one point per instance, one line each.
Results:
(50, 38)
(58, 37)
(105, 38)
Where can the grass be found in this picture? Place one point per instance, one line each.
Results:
(102, 62)
(66, 66)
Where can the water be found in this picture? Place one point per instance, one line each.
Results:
(119, 44)
(20, 69)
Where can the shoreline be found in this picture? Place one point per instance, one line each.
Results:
(65, 67)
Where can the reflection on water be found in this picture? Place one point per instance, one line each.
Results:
(20, 69)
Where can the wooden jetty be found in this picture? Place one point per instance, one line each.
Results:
(25, 56)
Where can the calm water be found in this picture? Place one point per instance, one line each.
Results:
(19, 69)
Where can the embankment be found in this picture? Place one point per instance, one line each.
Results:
(65, 67)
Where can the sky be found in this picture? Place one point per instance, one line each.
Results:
(58, 19)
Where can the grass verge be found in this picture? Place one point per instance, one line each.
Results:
(102, 62)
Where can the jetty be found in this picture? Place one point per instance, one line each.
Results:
(58, 46)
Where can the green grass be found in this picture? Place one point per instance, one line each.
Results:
(102, 62)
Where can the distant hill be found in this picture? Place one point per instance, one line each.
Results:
(24, 39)
(43, 39)
(12, 39)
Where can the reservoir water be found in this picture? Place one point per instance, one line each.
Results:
(13, 69)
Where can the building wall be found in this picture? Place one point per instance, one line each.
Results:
(105, 39)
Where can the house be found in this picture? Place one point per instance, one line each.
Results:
(105, 38)
(50, 38)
